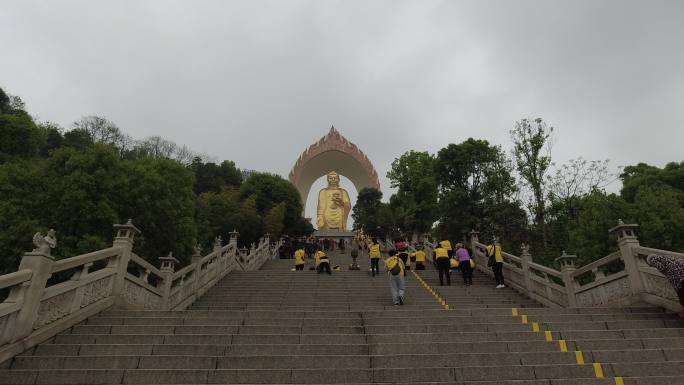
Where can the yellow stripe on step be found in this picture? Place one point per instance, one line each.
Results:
(514, 312)
(523, 318)
(619, 381)
(598, 370)
(563, 346)
(579, 357)
(535, 327)
(548, 335)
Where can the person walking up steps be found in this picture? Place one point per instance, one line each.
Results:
(299, 258)
(420, 257)
(464, 264)
(396, 271)
(374, 254)
(443, 264)
(495, 261)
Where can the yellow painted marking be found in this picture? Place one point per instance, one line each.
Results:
(446, 307)
(514, 312)
(523, 318)
(619, 381)
(598, 370)
(535, 327)
(548, 335)
(563, 346)
(579, 357)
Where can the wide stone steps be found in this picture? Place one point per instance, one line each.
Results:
(280, 327)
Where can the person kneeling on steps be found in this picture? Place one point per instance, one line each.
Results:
(396, 272)
(322, 262)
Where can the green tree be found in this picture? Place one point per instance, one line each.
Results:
(588, 236)
(273, 221)
(19, 136)
(531, 150)
(366, 211)
(269, 190)
(415, 204)
(251, 225)
(476, 191)
(217, 215)
(23, 200)
(159, 197)
(212, 177)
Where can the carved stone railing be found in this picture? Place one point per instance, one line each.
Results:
(36, 309)
(621, 278)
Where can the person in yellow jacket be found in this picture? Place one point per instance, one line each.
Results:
(299, 259)
(495, 260)
(396, 271)
(322, 262)
(374, 254)
(443, 262)
(419, 257)
(446, 244)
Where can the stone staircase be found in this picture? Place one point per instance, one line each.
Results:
(278, 326)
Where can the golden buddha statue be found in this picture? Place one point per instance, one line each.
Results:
(333, 205)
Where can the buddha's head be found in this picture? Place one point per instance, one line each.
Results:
(333, 179)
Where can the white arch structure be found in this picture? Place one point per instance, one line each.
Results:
(332, 152)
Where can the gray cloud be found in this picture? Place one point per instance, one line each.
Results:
(258, 81)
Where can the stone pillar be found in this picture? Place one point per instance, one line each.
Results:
(221, 261)
(233, 237)
(168, 266)
(124, 239)
(196, 275)
(627, 240)
(567, 263)
(525, 261)
(40, 262)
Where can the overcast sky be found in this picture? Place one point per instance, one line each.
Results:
(256, 82)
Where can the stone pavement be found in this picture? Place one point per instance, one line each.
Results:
(279, 326)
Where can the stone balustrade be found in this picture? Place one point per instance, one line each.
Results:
(36, 310)
(619, 279)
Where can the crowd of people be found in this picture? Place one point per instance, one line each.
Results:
(400, 257)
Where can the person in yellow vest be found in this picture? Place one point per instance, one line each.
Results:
(443, 262)
(374, 254)
(446, 244)
(495, 260)
(299, 258)
(322, 262)
(396, 271)
(419, 257)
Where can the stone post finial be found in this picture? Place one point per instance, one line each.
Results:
(218, 242)
(168, 263)
(44, 244)
(566, 261)
(197, 254)
(126, 230)
(625, 232)
(234, 235)
(525, 251)
(474, 236)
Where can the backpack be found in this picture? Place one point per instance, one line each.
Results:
(396, 269)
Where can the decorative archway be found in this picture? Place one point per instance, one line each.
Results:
(333, 152)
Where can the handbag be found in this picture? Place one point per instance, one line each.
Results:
(472, 264)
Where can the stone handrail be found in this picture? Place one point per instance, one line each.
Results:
(36, 309)
(621, 278)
